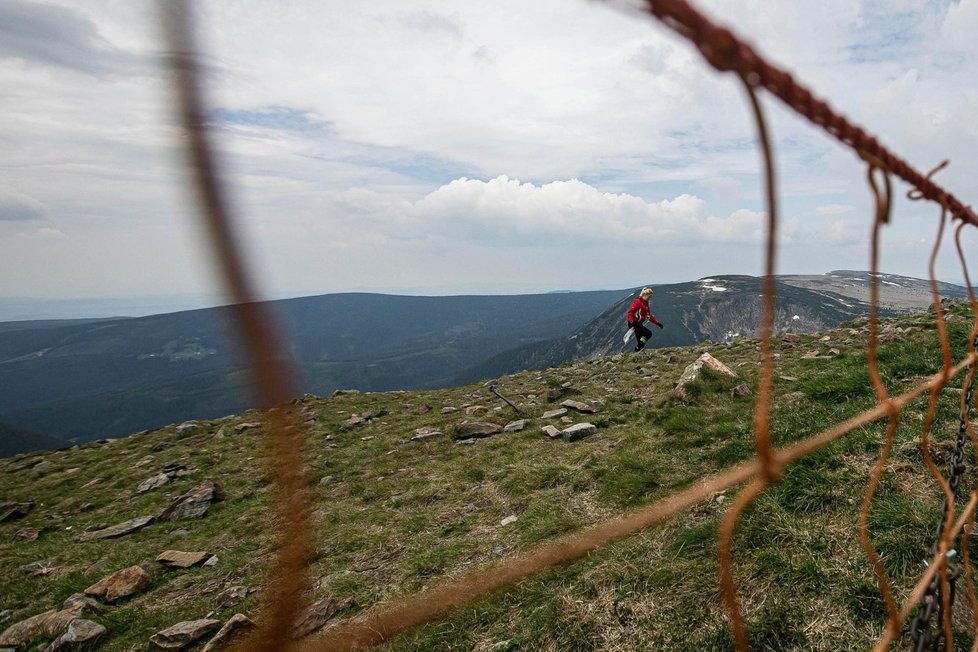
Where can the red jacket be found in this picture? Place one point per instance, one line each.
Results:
(639, 312)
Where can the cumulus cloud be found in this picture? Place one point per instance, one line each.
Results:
(506, 212)
(15, 206)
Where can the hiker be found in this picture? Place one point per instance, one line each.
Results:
(637, 314)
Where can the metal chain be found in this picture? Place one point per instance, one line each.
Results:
(931, 599)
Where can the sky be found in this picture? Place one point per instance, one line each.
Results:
(434, 147)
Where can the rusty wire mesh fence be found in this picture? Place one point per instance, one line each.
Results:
(929, 602)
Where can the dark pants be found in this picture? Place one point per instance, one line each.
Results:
(642, 335)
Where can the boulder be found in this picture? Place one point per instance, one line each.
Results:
(182, 634)
(120, 584)
(194, 503)
(695, 371)
(551, 431)
(49, 623)
(237, 627)
(82, 604)
(579, 431)
(586, 408)
(316, 615)
(81, 634)
(516, 426)
(122, 529)
(154, 482)
(476, 429)
(553, 414)
(179, 559)
(476, 409)
(10, 511)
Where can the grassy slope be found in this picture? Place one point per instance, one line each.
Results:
(394, 516)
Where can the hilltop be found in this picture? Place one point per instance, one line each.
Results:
(108, 378)
(402, 502)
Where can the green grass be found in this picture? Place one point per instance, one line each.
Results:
(392, 516)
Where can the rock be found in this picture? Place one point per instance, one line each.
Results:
(241, 427)
(178, 559)
(10, 511)
(741, 390)
(120, 584)
(182, 634)
(49, 623)
(423, 409)
(551, 431)
(232, 596)
(579, 406)
(788, 379)
(553, 414)
(346, 392)
(160, 446)
(316, 615)
(476, 429)
(122, 529)
(472, 410)
(554, 395)
(695, 371)
(27, 534)
(516, 426)
(82, 604)
(79, 635)
(354, 421)
(154, 482)
(507, 521)
(211, 561)
(37, 568)
(186, 428)
(421, 434)
(175, 469)
(579, 431)
(236, 628)
(791, 338)
(566, 421)
(194, 503)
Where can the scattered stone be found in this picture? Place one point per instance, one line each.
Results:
(154, 482)
(788, 379)
(122, 529)
(553, 414)
(49, 623)
(10, 511)
(182, 634)
(37, 568)
(579, 431)
(236, 628)
(346, 392)
(211, 561)
(232, 596)
(174, 469)
(507, 521)
(91, 483)
(241, 427)
(741, 390)
(834, 351)
(194, 503)
(579, 406)
(79, 635)
(472, 410)
(316, 615)
(423, 409)
(354, 421)
(449, 410)
(551, 431)
(27, 534)
(186, 428)
(791, 338)
(23, 464)
(476, 429)
(695, 371)
(516, 426)
(82, 604)
(810, 354)
(5, 615)
(554, 395)
(160, 446)
(421, 434)
(179, 559)
(120, 584)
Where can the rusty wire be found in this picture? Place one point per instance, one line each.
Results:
(381, 622)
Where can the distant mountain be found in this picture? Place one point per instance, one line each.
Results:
(721, 308)
(15, 440)
(111, 378)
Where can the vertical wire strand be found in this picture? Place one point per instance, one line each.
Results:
(881, 217)
(771, 467)
(284, 436)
